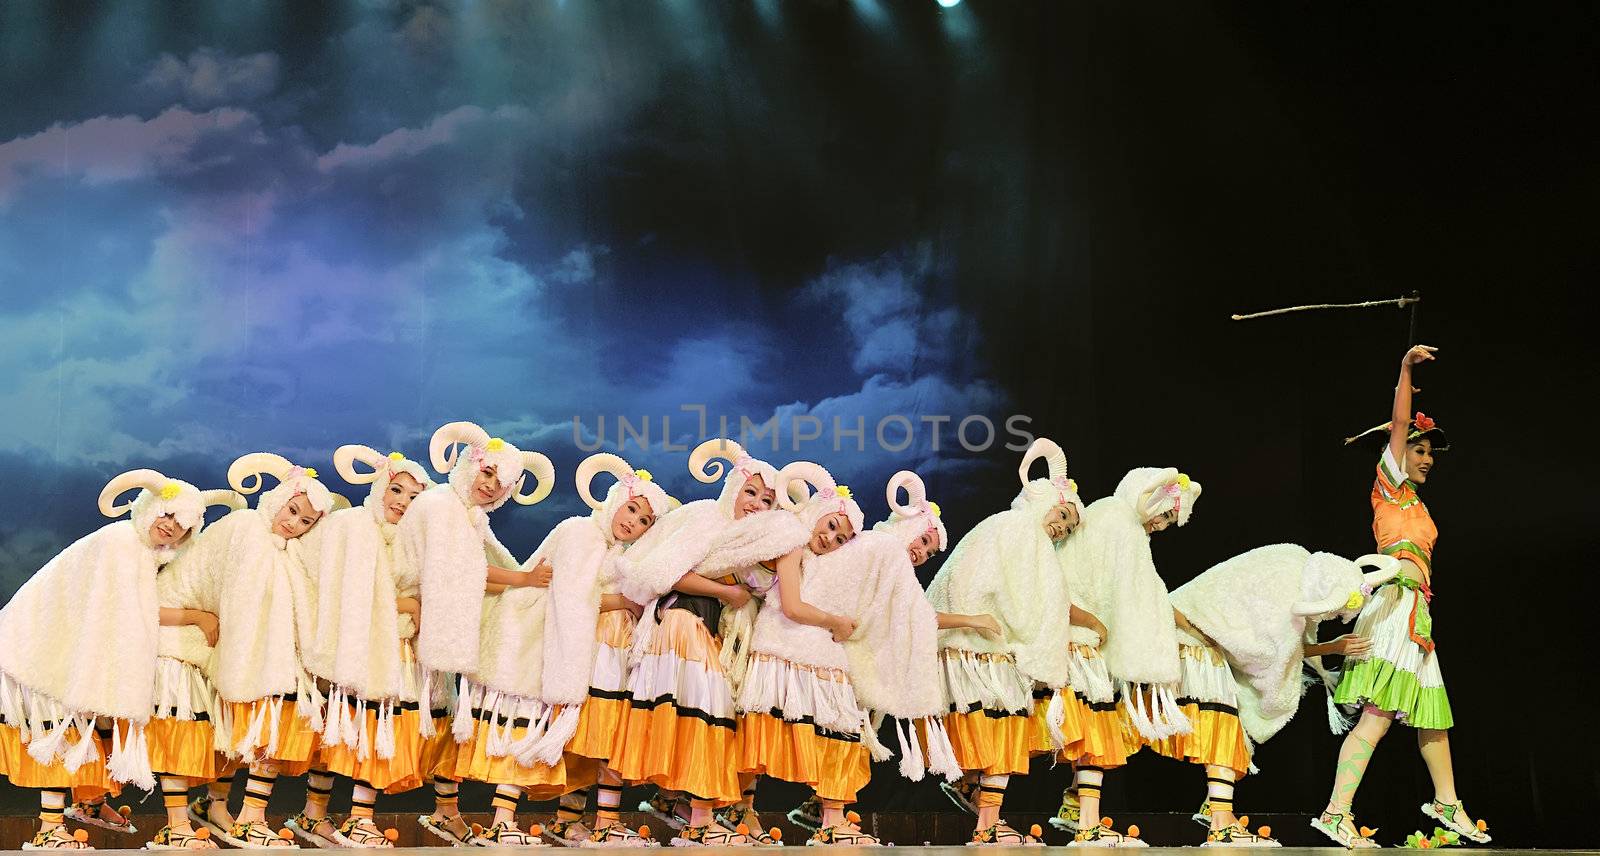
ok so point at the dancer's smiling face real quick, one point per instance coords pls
(754, 497)
(397, 498)
(633, 519)
(1161, 521)
(831, 532)
(922, 548)
(1061, 521)
(295, 518)
(486, 486)
(167, 532)
(1419, 459)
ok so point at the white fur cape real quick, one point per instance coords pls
(448, 546)
(894, 654)
(1007, 567)
(1246, 605)
(1114, 577)
(355, 641)
(251, 579)
(699, 536)
(82, 631)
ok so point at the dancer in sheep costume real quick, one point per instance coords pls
(445, 543)
(248, 570)
(799, 719)
(1114, 578)
(540, 647)
(584, 555)
(1259, 614)
(75, 717)
(362, 648)
(679, 732)
(1400, 678)
(894, 654)
(1009, 567)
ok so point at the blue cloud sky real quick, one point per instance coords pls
(235, 252)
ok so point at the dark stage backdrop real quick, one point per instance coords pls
(238, 227)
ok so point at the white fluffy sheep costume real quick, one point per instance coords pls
(539, 644)
(799, 719)
(445, 543)
(256, 583)
(78, 641)
(1007, 567)
(1262, 608)
(1114, 577)
(359, 644)
(679, 728)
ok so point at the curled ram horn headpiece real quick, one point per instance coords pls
(442, 446)
(149, 480)
(917, 515)
(223, 496)
(1384, 569)
(244, 476)
(380, 469)
(1333, 584)
(1153, 491)
(630, 484)
(829, 498)
(158, 496)
(347, 456)
(1055, 489)
(544, 475)
(744, 467)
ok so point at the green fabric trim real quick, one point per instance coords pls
(1410, 548)
(1384, 685)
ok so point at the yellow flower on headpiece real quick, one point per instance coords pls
(1355, 601)
(1183, 481)
(842, 490)
(1072, 485)
(644, 475)
(934, 507)
(311, 472)
(495, 444)
(170, 491)
(396, 456)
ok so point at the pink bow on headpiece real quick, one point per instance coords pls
(295, 472)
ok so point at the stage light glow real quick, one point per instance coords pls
(948, 3)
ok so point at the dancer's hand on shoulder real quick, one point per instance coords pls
(541, 574)
(843, 628)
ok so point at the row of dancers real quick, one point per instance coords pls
(695, 647)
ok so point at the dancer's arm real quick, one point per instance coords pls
(1350, 645)
(1085, 618)
(172, 616)
(506, 578)
(408, 606)
(733, 596)
(797, 610)
(983, 625)
(614, 602)
(1400, 416)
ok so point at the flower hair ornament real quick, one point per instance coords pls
(483, 451)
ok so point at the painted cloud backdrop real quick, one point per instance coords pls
(251, 232)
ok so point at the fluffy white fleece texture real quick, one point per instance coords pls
(1246, 605)
(82, 630)
(448, 545)
(1007, 567)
